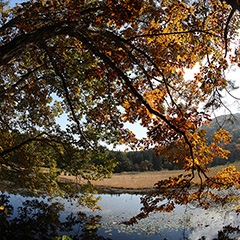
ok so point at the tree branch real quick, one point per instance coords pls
(22, 42)
(172, 33)
(29, 140)
(122, 75)
(226, 30)
(20, 80)
(64, 82)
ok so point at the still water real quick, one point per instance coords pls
(82, 223)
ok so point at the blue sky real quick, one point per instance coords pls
(13, 2)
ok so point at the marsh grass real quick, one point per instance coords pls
(139, 180)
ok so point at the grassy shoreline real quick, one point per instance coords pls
(138, 180)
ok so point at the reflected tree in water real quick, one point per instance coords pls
(225, 233)
(37, 219)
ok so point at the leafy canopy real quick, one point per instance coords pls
(103, 63)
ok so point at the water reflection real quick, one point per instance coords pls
(215, 222)
(37, 218)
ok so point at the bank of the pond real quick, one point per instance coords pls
(135, 180)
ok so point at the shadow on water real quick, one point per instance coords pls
(38, 218)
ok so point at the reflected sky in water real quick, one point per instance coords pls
(184, 223)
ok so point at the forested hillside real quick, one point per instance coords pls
(231, 124)
(147, 161)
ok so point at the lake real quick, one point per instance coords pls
(37, 218)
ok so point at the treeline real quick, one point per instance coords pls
(146, 161)
(140, 161)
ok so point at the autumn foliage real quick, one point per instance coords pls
(100, 64)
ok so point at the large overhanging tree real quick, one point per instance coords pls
(104, 63)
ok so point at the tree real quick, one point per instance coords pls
(104, 63)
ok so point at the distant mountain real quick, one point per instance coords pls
(231, 123)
